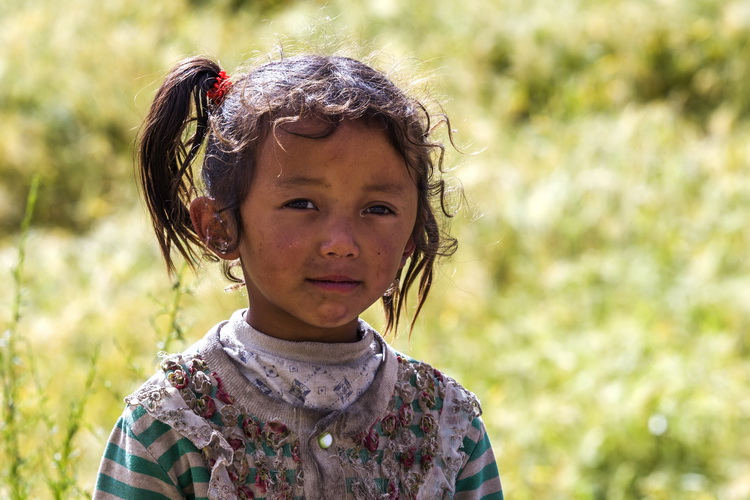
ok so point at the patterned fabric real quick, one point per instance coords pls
(199, 430)
(304, 380)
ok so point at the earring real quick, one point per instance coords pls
(218, 218)
(217, 244)
(220, 244)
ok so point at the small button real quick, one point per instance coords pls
(325, 440)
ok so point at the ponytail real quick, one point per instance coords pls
(190, 109)
(167, 151)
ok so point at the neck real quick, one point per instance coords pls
(305, 333)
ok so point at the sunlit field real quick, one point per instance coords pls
(599, 303)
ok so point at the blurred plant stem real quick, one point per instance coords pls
(9, 361)
(63, 457)
(174, 330)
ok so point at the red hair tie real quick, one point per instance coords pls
(219, 89)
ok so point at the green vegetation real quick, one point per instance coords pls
(598, 303)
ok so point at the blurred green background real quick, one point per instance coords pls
(599, 304)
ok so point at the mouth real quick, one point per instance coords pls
(335, 283)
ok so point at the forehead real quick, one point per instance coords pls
(349, 151)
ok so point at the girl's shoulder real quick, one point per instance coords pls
(419, 380)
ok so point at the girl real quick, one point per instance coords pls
(319, 186)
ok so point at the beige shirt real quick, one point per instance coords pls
(314, 375)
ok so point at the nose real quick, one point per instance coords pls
(338, 239)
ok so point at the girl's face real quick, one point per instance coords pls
(327, 223)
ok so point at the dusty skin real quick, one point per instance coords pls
(327, 223)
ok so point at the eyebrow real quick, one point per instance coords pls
(300, 181)
(377, 187)
(387, 188)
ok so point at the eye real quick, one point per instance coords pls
(300, 204)
(378, 210)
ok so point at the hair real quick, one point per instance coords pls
(183, 123)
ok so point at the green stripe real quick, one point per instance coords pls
(136, 464)
(169, 458)
(493, 496)
(137, 412)
(476, 449)
(478, 424)
(193, 476)
(474, 482)
(156, 430)
(119, 489)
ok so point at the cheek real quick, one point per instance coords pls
(266, 249)
(389, 255)
(276, 245)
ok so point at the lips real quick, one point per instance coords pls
(335, 283)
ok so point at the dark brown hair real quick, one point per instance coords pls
(326, 88)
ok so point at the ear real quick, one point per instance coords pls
(213, 228)
(411, 245)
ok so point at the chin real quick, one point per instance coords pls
(335, 320)
(334, 323)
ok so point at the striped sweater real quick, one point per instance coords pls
(198, 429)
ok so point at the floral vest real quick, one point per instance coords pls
(411, 448)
